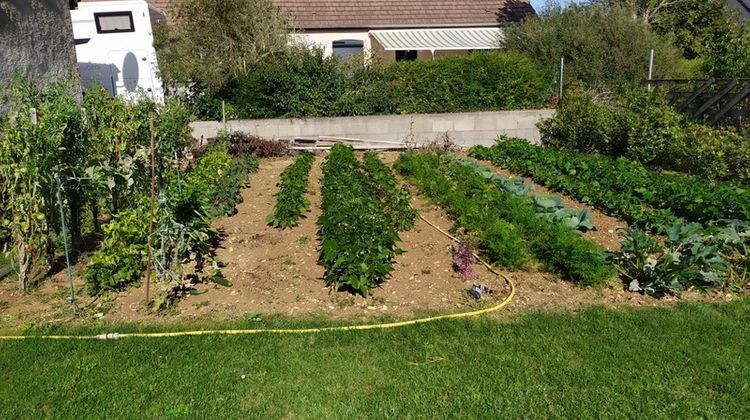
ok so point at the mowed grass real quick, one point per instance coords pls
(691, 360)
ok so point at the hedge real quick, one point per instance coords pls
(310, 85)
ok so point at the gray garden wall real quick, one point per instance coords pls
(36, 39)
(466, 128)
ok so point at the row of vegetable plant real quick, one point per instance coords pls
(89, 157)
(548, 207)
(387, 187)
(187, 203)
(624, 188)
(689, 254)
(504, 226)
(358, 241)
(291, 203)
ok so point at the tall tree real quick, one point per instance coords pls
(604, 46)
(707, 30)
(212, 41)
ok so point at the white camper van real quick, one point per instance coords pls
(114, 45)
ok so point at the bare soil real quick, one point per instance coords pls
(276, 272)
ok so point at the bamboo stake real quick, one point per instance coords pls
(151, 215)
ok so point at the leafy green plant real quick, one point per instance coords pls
(358, 241)
(395, 197)
(504, 225)
(646, 128)
(652, 201)
(547, 207)
(686, 259)
(291, 203)
(624, 188)
(121, 257)
(39, 140)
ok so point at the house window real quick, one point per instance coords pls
(346, 48)
(114, 22)
(406, 55)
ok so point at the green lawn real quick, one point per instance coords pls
(692, 360)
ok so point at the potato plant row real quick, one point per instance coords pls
(358, 241)
(291, 203)
(624, 188)
(504, 226)
(385, 185)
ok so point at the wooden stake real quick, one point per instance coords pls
(151, 214)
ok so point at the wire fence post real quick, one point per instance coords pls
(224, 114)
(650, 68)
(73, 305)
(562, 77)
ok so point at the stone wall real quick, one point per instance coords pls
(36, 40)
(467, 129)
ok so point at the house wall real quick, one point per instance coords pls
(325, 39)
(36, 39)
(467, 129)
(742, 6)
(372, 47)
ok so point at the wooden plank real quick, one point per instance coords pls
(356, 140)
(356, 147)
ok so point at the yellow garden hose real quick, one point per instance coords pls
(114, 336)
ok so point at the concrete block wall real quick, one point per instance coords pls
(467, 129)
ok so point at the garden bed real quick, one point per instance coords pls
(276, 271)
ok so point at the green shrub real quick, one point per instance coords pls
(584, 125)
(716, 153)
(122, 254)
(605, 46)
(655, 131)
(645, 128)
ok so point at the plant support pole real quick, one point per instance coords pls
(73, 305)
(151, 213)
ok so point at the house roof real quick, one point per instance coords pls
(333, 14)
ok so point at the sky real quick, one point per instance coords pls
(539, 4)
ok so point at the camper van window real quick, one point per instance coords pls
(114, 22)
